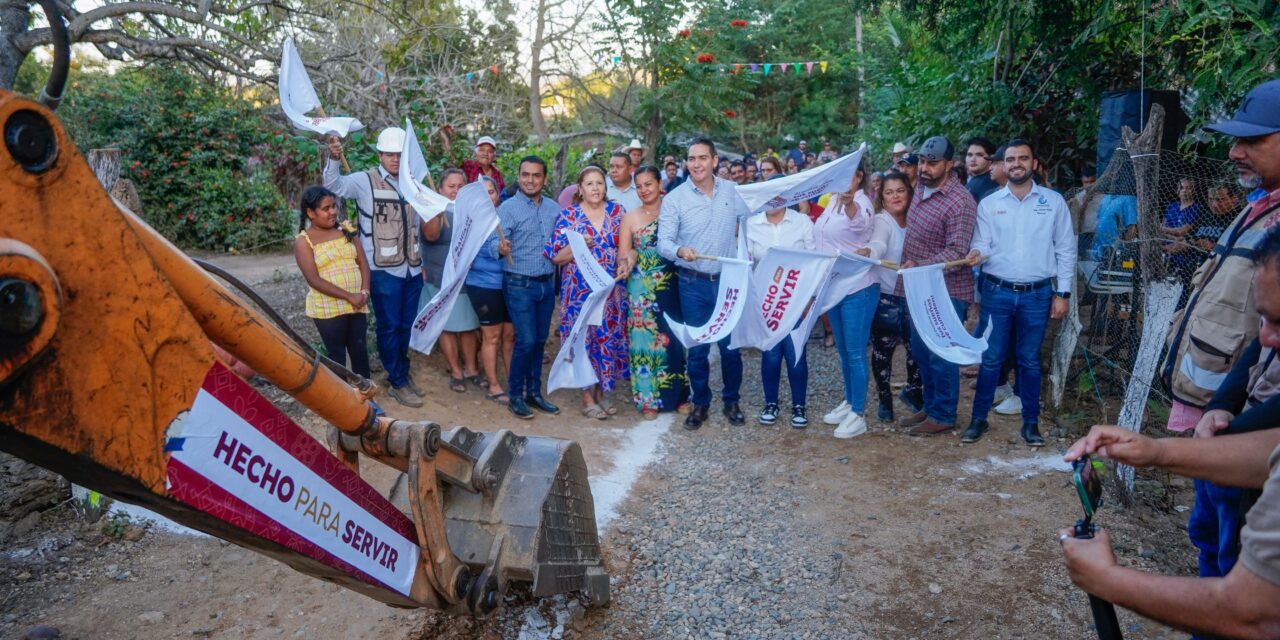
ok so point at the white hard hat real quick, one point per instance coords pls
(391, 140)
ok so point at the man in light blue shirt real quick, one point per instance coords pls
(1117, 220)
(622, 185)
(700, 218)
(527, 220)
(1027, 247)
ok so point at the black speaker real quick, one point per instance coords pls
(1130, 108)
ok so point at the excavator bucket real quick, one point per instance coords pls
(534, 519)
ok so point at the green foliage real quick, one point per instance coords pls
(195, 152)
(509, 163)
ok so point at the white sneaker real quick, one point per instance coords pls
(1012, 406)
(1003, 392)
(838, 414)
(852, 426)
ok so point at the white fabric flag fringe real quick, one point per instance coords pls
(833, 177)
(572, 367)
(731, 296)
(298, 96)
(784, 285)
(413, 165)
(474, 221)
(935, 319)
(845, 272)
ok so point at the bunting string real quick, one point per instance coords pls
(805, 67)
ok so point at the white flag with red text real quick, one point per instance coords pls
(783, 286)
(848, 270)
(298, 96)
(572, 368)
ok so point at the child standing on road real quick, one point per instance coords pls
(338, 273)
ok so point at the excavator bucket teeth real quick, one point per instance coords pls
(533, 519)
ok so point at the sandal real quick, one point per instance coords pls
(594, 411)
(500, 397)
(458, 384)
(607, 406)
(478, 380)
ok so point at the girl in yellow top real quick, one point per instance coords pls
(335, 267)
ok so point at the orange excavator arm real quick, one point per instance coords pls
(108, 376)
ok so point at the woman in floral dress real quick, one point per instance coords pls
(598, 220)
(658, 381)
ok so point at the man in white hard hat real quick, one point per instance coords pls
(636, 151)
(388, 234)
(482, 164)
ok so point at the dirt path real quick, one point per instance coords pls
(743, 532)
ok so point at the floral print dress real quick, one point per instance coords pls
(658, 381)
(606, 343)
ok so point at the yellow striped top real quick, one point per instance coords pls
(336, 262)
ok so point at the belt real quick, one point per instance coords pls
(698, 275)
(516, 277)
(1018, 287)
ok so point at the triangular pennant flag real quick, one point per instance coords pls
(470, 76)
(617, 59)
(736, 69)
(808, 67)
(767, 66)
(823, 64)
(753, 68)
(480, 73)
(797, 66)
(784, 67)
(494, 69)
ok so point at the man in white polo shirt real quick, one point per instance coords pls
(622, 184)
(1027, 247)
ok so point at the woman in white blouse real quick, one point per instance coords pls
(891, 326)
(790, 229)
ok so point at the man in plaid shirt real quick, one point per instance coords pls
(940, 226)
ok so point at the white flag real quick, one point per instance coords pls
(413, 165)
(572, 367)
(844, 274)
(935, 319)
(783, 286)
(735, 279)
(832, 177)
(474, 220)
(298, 96)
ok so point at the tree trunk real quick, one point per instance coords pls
(653, 130)
(862, 74)
(13, 23)
(535, 75)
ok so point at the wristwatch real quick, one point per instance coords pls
(1065, 295)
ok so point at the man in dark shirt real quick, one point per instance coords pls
(979, 154)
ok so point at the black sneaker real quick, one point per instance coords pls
(734, 413)
(770, 413)
(975, 431)
(798, 421)
(519, 409)
(885, 412)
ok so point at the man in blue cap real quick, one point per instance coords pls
(1221, 319)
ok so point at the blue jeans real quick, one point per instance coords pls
(797, 372)
(529, 303)
(697, 301)
(939, 377)
(851, 322)
(1214, 527)
(1026, 314)
(395, 307)
(1011, 360)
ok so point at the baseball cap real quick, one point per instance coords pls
(911, 159)
(937, 148)
(487, 140)
(899, 147)
(1259, 114)
(391, 140)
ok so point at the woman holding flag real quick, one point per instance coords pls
(847, 226)
(658, 381)
(458, 341)
(484, 289)
(892, 325)
(598, 220)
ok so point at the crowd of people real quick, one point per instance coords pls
(1006, 242)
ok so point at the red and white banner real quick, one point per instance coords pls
(474, 220)
(572, 367)
(298, 96)
(844, 274)
(783, 286)
(832, 177)
(935, 319)
(241, 460)
(413, 167)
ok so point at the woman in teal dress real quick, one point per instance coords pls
(658, 381)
